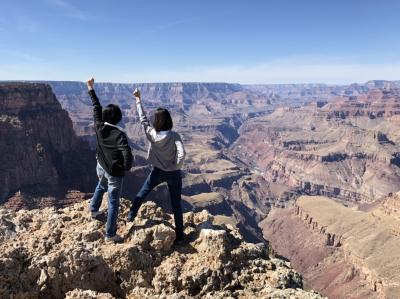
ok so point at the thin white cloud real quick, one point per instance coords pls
(71, 11)
(274, 72)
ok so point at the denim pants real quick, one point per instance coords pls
(112, 185)
(174, 182)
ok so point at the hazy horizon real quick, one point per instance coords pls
(197, 82)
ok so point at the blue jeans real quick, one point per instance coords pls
(112, 185)
(174, 181)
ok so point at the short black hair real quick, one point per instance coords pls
(112, 114)
(162, 120)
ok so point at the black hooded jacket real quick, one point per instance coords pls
(113, 151)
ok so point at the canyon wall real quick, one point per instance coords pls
(341, 251)
(347, 149)
(39, 151)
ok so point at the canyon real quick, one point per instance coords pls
(345, 150)
(304, 169)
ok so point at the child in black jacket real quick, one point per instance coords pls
(114, 157)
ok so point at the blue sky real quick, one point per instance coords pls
(239, 41)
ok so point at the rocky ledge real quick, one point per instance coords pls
(61, 253)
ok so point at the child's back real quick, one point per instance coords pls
(166, 150)
(113, 156)
(166, 155)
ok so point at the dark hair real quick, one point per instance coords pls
(162, 120)
(112, 114)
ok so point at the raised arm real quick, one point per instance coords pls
(97, 109)
(180, 151)
(148, 129)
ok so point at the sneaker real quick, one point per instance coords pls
(114, 239)
(95, 214)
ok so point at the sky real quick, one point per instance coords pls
(238, 41)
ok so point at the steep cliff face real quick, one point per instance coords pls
(376, 103)
(57, 254)
(39, 150)
(301, 94)
(339, 250)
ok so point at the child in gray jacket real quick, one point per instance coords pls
(166, 154)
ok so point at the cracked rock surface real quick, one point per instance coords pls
(52, 253)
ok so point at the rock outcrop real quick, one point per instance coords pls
(51, 253)
(39, 151)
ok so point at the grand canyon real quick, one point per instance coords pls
(289, 191)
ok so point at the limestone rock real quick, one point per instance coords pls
(87, 294)
(52, 253)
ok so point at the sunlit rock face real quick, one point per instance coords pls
(62, 253)
(341, 251)
(347, 148)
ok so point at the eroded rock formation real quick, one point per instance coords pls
(348, 149)
(56, 253)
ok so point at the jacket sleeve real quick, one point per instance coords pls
(125, 150)
(151, 133)
(97, 109)
(180, 151)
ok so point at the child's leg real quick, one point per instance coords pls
(152, 180)
(175, 190)
(101, 188)
(114, 193)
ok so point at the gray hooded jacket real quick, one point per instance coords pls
(166, 150)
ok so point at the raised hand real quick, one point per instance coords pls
(90, 83)
(136, 94)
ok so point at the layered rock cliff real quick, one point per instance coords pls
(340, 251)
(52, 253)
(346, 149)
(39, 151)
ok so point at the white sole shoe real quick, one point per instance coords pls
(115, 239)
(95, 214)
